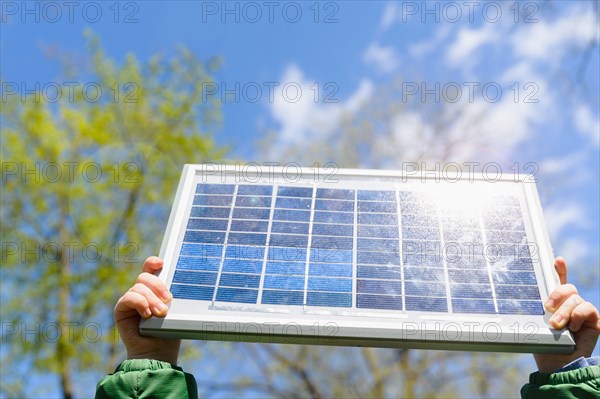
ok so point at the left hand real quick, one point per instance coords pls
(572, 311)
(147, 297)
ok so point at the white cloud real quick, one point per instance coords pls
(481, 130)
(511, 122)
(522, 72)
(427, 46)
(560, 215)
(409, 137)
(587, 124)
(309, 119)
(360, 96)
(385, 59)
(468, 41)
(561, 164)
(573, 250)
(390, 13)
(475, 131)
(547, 41)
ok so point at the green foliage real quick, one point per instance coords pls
(87, 182)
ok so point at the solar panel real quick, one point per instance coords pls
(364, 257)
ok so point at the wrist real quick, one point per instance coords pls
(163, 357)
(548, 366)
(169, 354)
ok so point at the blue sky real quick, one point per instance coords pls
(346, 51)
(349, 51)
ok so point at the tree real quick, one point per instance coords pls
(88, 174)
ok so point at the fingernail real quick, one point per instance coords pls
(558, 320)
(166, 294)
(160, 308)
(550, 305)
(147, 313)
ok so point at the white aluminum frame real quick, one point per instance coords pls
(191, 319)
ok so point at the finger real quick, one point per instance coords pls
(153, 264)
(560, 265)
(156, 285)
(563, 315)
(584, 313)
(132, 301)
(157, 306)
(559, 295)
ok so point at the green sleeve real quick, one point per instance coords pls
(577, 384)
(146, 378)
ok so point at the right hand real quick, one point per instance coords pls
(573, 312)
(147, 297)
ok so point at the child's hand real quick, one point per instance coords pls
(147, 297)
(574, 312)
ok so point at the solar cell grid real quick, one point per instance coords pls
(371, 249)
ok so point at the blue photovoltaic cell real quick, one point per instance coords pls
(424, 273)
(291, 215)
(275, 297)
(213, 237)
(332, 242)
(517, 292)
(379, 258)
(249, 225)
(250, 213)
(193, 249)
(379, 302)
(330, 269)
(298, 192)
(332, 230)
(374, 195)
(209, 212)
(381, 272)
(194, 277)
(426, 304)
(460, 305)
(251, 189)
(293, 203)
(284, 282)
(334, 217)
(290, 227)
(236, 295)
(254, 202)
(196, 263)
(215, 188)
(213, 200)
(207, 224)
(239, 280)
(242, 265)
(367, 249)
(328, 299)
(378, 219)
(466, 290)
(197, 292)
(335, 193)
(294, 268)
(329, 284)
(379, 287)
(244, 252)
(334, 205)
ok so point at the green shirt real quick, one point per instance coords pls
(577, 384)
(143, 378)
